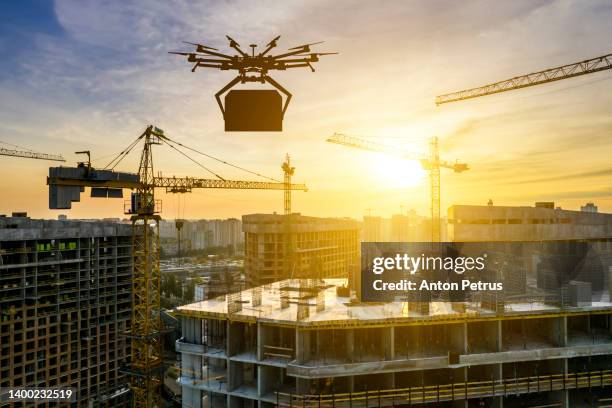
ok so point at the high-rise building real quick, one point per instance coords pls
(65, 303)
(279, 246)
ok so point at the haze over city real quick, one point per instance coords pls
(71, 80)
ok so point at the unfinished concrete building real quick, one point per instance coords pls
(308, 345)
(64, 303)
(283, 246)
(543, 222)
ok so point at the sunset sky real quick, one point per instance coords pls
(77, 75)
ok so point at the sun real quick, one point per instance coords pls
(395, 172)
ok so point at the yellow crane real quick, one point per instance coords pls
(28, 154)
(65, 185)
(431, 164)
(575, 69)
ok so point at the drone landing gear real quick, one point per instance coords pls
(257, 110)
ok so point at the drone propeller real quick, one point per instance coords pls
(233, 43)
(206, 47)
(306, 45)
(191, 57)
(317, 54)
(272, 43)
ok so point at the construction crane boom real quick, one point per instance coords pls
(171, 184)
(31, 155)
(536, 78)
(351, 141)
(431, 163)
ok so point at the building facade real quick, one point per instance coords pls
(279, 246)
(65, 302)
(342, 354)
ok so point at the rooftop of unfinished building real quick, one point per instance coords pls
(293, 217)
(589, 209)
(20, 226)
(340, 311)
(274, 223)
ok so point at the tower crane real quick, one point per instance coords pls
(431, 163)
(288, 172)
(65, 186)
(536, 78)
(29, 154)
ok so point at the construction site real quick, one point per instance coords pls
(288, 324)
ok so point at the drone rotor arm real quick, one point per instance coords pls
(290, 53)
(215, 54)
(234, 44)
(201, 45)
(307, 46)
(270, 45)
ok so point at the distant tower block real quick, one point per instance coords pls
(257, 110)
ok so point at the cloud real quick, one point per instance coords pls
(102, 74)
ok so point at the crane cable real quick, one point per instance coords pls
(123, 154)
(192, 159)
(222, 161)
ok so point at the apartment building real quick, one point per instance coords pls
(65, 300)
(280, 246)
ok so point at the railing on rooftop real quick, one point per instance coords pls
(448, 392)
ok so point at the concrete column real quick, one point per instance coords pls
(351, 383)
(228, 337)
(500, 343)
(387, 343)
(350, 345)
(560, 332)
(458, 338)
(302, 345)
(565, 394)
(260, 341)
(191, 365)
(235, 375)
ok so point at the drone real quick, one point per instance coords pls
(253, 109)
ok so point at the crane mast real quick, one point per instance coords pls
(434, 189)
(147, 328)
(288, 171)
(431, 164)
(536, 78)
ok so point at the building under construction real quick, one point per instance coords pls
(305, 343)
(65, 304)
(284, 246)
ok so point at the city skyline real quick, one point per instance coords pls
(79, 77)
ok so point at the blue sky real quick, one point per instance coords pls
(79, 74)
